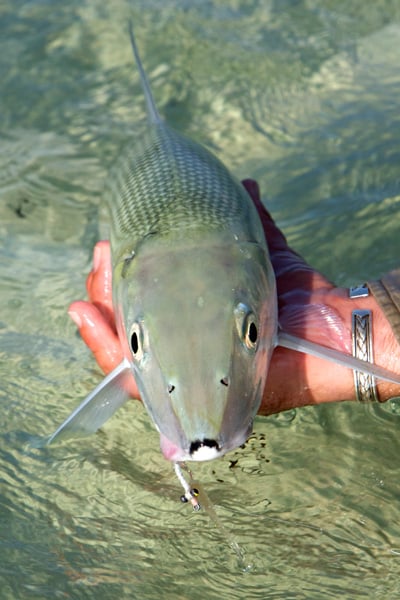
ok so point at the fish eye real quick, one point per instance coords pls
(247, 326)
(136, 341)
(251, 333)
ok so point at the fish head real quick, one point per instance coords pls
(199, 324)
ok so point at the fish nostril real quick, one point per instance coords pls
(171, 388)
(194, 446)
(225, 381)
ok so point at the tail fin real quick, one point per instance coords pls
(293, 343)
(151, 106)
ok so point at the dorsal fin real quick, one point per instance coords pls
(152, 111)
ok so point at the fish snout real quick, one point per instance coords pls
(200, 440)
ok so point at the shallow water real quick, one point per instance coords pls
(302, 95)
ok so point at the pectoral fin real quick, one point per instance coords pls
(346, 360)
(98, 406)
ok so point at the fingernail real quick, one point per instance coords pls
(76, 318)
(96, 257)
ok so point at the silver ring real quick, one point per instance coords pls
(359, 291)
(361, 327)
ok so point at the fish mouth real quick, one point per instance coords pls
(199, 450)
(205, 450)
(171, 451)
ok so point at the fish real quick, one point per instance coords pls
(194, 295)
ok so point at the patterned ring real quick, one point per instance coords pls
(362, 348)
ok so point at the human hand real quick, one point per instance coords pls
(95, 317)
(310, 308)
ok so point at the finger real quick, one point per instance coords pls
(99, 281)
(275, 238)
(291, 270)
(98, 334)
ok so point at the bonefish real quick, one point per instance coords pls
(194, 296)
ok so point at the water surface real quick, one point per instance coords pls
(302, 95)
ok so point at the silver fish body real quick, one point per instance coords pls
(194, 292)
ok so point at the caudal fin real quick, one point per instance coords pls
(345, 360)
(98, 406)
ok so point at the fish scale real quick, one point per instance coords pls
(168, 183)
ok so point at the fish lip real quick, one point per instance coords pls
(171, 451)
(174, 453)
